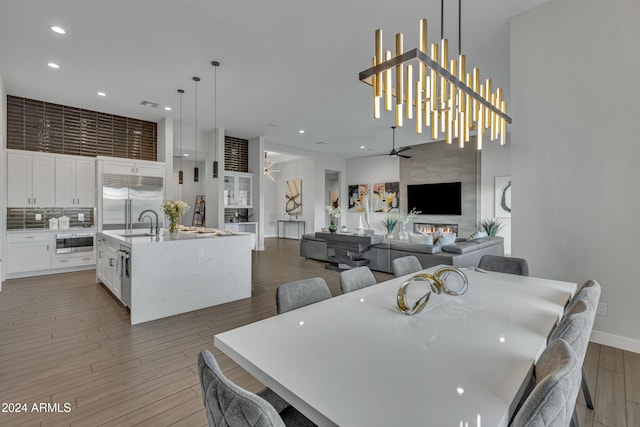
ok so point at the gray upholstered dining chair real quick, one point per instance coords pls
(227, 404)
(575, 329)
(585, 301)
(356, 278)
(300, 293)
(405, 265)
(553, 399)
(502, 264)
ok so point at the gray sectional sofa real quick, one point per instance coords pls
(463, 252)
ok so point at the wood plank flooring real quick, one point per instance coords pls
(64, 340)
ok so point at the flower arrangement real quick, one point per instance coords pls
(334, 212)
(174, 209)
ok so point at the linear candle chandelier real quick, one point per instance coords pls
(447, 98)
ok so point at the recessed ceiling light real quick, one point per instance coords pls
(102, 94)
(362, 147)
(53, 65)
(58, 30)
(185, 155)
(167, 108)
(301, 131)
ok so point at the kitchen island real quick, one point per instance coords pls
(161, 276)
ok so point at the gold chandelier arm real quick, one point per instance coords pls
(413, 54)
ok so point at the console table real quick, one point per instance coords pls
(348, 249)
(290, 221)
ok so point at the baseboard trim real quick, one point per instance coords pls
(617, 341)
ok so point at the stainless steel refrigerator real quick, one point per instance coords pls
(125, 196)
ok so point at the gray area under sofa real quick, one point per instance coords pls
(380, 256)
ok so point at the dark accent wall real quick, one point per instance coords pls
(52, 128)
(236, 154)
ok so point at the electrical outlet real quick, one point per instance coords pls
(199, 254)
(602, 309)
(38, 217)
(80, 217)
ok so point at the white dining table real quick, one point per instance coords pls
(356, 360)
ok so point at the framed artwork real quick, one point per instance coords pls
(293, 194)
(357, 197)
(333, 198)
(386, 196)
(502, 197)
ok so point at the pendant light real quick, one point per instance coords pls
(215, 64)
(195, 170)
(180, 173)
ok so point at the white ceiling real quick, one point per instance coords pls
(286, 64)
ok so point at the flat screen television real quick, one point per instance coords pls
(443, 198)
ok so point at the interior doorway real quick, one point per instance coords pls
(332, 193)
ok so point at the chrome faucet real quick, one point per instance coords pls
(144, 213)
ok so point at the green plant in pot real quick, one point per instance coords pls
(389, 223)
(492, 226)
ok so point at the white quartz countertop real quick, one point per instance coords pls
(137, 236)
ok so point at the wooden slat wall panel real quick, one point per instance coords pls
(134, 131)
(105, 135)
(120, 136)
(89, 133)
(41, 126)
(236, 154)
(15, 122)
(72, 131)
(34, 125)
(54, 125)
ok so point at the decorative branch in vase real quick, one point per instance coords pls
(404, 218)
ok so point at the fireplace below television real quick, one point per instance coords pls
(430, 227)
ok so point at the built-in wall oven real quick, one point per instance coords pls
(67, 243)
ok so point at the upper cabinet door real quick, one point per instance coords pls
(19, 185)
(65, 182)
(85, 183)
(43, 181)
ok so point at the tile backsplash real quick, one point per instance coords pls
(25, 218)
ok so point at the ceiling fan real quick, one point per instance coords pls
(394, 152)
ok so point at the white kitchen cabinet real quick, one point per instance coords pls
(30, 179)
(238, 190)
(107, 267)
(75, 182)
(29, 252)
(133, 167)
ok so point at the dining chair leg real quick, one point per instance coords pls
(574, 418)
(585, 390)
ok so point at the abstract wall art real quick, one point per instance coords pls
(293, 195)
(503, 197)
(386, 196)
(358, 197)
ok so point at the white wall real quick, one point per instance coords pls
(495, 161)
(369, 170)
(575, 151)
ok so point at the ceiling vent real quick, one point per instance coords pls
(149, 104)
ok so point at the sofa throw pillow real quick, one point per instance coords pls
(447, 239)
(421, 238)
(478, 234)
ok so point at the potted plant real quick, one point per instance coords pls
(389, 223)
(492, 226)
(334, 213)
